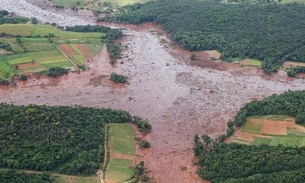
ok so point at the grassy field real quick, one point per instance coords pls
(271, 130)
(17, 29)
(75, 179)
(251, 62)
(121, 140)
(40, 52)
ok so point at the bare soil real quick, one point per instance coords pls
(274, 127)
(177, 98)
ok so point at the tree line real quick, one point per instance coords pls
(270, 32)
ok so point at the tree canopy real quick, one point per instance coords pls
(63, 139)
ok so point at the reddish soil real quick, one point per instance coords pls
(86, 52)
(66, 49)
(289, 64)
(274, 127)
(246, 136)
(28, 65)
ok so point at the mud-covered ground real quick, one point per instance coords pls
(179, 100)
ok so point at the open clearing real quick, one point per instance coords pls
(289, 64)
(121, 140)
(271, 130)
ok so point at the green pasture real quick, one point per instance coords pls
(119, 170)
(6, 71)
(36, 44)
(255, 63)
(295, 135)
(17, 29)
(121, 138)
(44, 54)
(18, 59)
(78, 59)
(75, 179)
(45, 30)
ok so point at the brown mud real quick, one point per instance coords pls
(178, 97)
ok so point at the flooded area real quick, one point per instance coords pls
(178, 97)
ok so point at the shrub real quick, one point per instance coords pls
(118, 78)
(144, 144)
(56, 71)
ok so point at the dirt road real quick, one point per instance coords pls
(178, 99)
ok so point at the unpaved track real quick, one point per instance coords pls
(179, 100)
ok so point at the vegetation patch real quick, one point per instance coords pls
(118, 78)
(121, 141)
(68, 140)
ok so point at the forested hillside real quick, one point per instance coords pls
(269, 32)
(68, 140)
(239, 163)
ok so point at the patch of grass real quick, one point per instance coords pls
(43, 30)
(18, 59)
(75, 179)
(121, 138)
(119, 170)
(43, 54)
(36, 44)
(17, 29)
(78, 59)
(63, 64)
(259, 140)
(239, 141)
(252, 126)
(6, 71)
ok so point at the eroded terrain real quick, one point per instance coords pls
(178, 99)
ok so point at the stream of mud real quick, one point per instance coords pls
(178, 99)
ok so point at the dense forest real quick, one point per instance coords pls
(12, 176)
(63, 139)
(238, 163)
(270, 32)
(289, 103)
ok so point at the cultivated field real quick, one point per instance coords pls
(41, 47)
(271, 130)
(121, 140)
(251, 62)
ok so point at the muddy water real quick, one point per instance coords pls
(179, 100)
